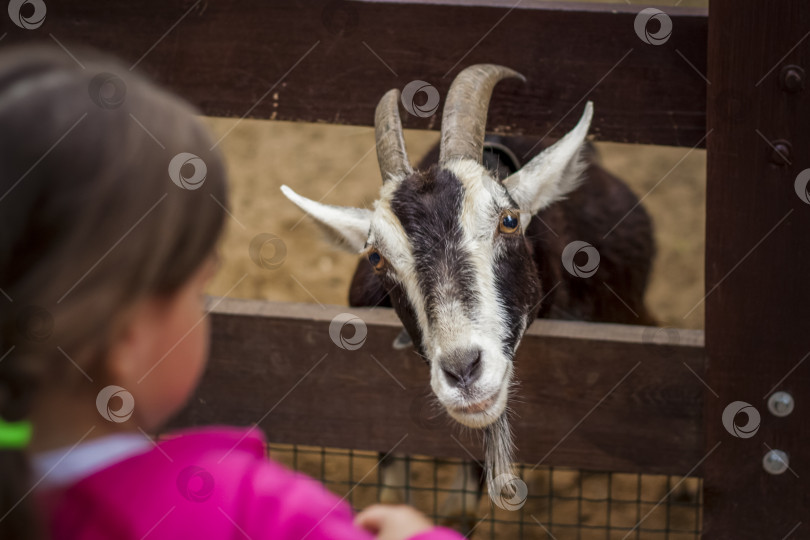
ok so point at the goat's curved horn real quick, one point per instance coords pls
(391, 153)
(465, 110)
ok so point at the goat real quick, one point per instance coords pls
(469, 254)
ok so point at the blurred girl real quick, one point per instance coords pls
(110, 208)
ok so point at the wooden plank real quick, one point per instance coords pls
(331, 61)
(757, 265)
(594, 396)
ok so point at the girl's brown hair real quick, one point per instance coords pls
(91, 220)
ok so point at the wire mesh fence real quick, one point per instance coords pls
(561, 504)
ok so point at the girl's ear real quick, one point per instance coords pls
(126, 346)
(131, 343)
(346, 227)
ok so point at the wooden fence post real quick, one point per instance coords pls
(757, 268)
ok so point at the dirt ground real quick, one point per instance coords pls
(337, 164)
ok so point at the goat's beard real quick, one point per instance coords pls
(499, 449)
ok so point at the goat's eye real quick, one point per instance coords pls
(510, 221)
(376, 259)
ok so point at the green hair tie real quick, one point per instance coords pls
(14, 434)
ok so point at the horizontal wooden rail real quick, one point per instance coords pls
(592, 396)
(331, 61)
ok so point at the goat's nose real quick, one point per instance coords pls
(462, 367)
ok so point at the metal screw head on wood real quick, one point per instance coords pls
(780, 404)
(775, 462)
(781, 154)
(791, 78)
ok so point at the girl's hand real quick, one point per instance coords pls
(389, 522)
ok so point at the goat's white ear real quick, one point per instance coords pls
(554, 172)
(346, 227)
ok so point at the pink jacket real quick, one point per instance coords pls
(202, 484)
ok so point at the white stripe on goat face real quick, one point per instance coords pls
(389, 237)
(437, 231)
